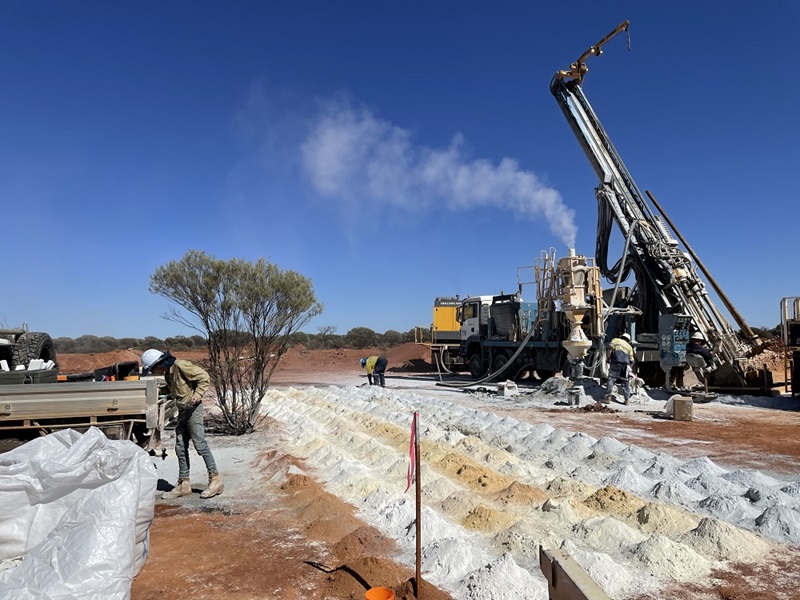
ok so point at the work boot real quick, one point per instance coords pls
(182, 488)
(214, 488)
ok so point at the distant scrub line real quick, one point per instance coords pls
(358, 337)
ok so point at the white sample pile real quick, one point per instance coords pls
(495, 488)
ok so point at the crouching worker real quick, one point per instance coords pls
(376, 368)
(187, 384)
(698, 357)
(620, 360)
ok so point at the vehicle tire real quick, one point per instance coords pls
(476, 366)
(32, 345)
(498, 363)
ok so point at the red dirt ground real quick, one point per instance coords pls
(278, 551)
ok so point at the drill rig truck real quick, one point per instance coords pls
(503, 336)
(670, 299)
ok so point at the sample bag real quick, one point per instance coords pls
(75, 518)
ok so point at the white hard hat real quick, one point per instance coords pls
(626, 336)
(697, 336)
(150, 359)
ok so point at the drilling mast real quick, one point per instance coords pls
(669, 292)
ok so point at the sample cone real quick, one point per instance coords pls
(379, 593)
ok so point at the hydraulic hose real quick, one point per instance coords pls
(622, 265)
(502, 369)
(440, 365)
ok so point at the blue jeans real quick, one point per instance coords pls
(190, 427)
(378, 377)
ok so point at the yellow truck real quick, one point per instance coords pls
(444, 335)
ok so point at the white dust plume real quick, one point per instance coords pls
(352, 156)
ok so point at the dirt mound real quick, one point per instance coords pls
(302, 490)
(473, 475)
(333, 527)
(270, 462)
(323, 506)
(773, 358)
(295, 483)
(522, 493)
(350, 581)
(615, 501)
(300, 357)
(405, 357)
(364, 541)
(87, 363)
(486, 519)
(409, 357)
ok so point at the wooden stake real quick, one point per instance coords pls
(419, 506)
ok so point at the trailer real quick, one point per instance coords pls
(125, 410)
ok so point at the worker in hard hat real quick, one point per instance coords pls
(696, 348)
(376, 367)
(620, 362)
(700, 358)
(187, 384)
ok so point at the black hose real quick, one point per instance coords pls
(502, 369)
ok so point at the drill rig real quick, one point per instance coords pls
(669, 299)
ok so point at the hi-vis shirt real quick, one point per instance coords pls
(371, 364)
(186, 379)
(621, 351)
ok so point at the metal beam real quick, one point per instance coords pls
(68, 400)
(566, 579)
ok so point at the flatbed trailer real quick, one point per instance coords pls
(128, 410)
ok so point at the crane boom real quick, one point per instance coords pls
(667, 281)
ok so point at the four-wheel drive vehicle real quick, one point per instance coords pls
(127, 410)
(113, 399)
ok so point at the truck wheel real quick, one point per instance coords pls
(32, 345)
(500, 361)
(475, 366)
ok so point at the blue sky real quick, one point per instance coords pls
(391, 152)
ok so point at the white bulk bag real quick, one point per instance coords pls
(77, 509)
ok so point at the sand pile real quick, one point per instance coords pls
(495, 488)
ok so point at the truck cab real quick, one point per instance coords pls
(473, 317)
(492, 329)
